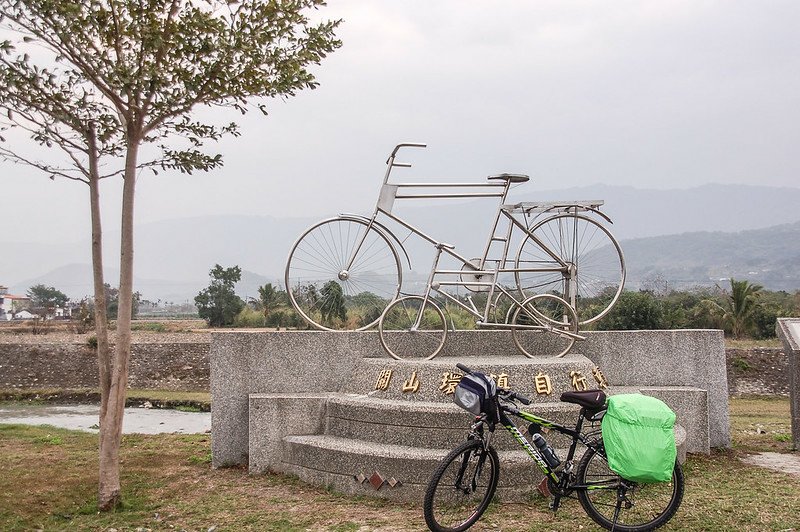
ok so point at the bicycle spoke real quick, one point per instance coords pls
(329, 294)
(592, 256)
(399, 336)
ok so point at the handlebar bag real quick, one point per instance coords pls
(477, 393)
(639, 438)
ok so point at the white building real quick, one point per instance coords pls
(9, 303)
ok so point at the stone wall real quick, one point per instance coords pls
(180, 362)
(50, 363)
(757, 371)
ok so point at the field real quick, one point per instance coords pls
(49, 483)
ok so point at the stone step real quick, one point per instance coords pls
(394, 472)
(425, 424)
(400, 472)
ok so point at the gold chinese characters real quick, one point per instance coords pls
(542, 383)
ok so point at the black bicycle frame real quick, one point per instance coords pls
(575, 434)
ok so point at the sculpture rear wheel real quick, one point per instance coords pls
(593, 271)
(327, 291)
(400, 335)
(552, 319)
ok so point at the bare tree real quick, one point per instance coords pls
(97, 79)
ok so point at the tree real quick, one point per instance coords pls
(742, 302)
(110, 76)
(332, 306)
(218, 304)
(44, 299)
(633, 311)
(112, 302)
(269, 298)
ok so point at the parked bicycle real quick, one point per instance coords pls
(568, 270)
(462, 486)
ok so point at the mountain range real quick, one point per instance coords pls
(687, 237)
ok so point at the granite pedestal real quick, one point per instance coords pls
(334, 410)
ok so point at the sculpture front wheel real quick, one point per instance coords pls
(413, 328)
(341, 274)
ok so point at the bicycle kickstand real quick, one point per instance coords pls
(555, 503)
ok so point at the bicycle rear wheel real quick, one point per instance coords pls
(574, 257)
(641, 506)
(400, 336)
(462, 487)
(550, 319)
(327, 293)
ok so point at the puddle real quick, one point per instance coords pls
(85, 417)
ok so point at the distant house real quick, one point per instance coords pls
(9, 304)
(62, 313)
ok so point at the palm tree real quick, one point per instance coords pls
(742, 301)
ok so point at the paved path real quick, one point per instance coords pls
(781, 462)
(85, 417)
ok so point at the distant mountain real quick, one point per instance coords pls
(173, 257)
(770, 257)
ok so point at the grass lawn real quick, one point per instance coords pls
(49, 482)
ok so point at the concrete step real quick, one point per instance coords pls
(394, 472)
(425, 424)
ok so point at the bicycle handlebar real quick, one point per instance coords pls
(464, 368)
(408, 145)
(404, 145)
(507, 393)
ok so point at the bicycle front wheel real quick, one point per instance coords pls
(462, 487)
(638, 506)
(545, 326)
(410, 329)
(574, 257)
(341, 274)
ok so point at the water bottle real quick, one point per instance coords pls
(548, 453)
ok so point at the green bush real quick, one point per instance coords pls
(634, 311)
(249, 317)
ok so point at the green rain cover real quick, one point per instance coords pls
(638, 437)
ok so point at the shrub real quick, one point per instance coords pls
(249, 317)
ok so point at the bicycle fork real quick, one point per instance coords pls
(429, 286)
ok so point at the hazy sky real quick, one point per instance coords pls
(665, 94)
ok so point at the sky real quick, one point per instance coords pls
(668, 94)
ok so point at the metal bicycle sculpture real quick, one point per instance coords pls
(345, 273)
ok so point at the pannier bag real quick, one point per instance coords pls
(638, 437)
(476, 393)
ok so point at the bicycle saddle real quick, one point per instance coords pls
(513, 178)
(591, 399)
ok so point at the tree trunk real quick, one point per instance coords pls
(100, 320)
(109, 494)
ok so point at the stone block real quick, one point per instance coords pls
(788, 330)
(273, 417)
(691, 407)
